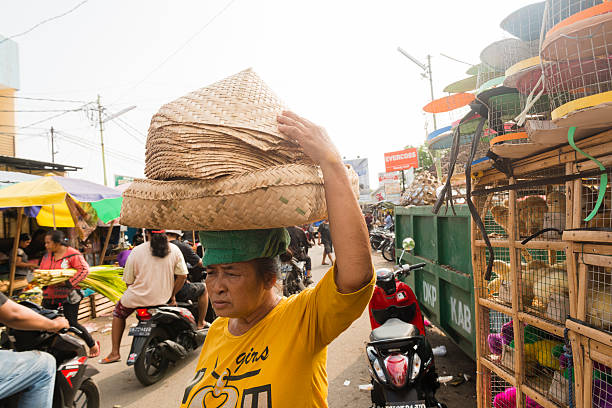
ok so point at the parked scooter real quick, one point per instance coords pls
(387, 246)
(163, 334)
(401, 361)
(74, 386)
(377, 237)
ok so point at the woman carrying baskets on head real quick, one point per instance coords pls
(67, 294)
(266, 350)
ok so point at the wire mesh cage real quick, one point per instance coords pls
(541, 208)
(576, 54)
(543, 353)
(560, 10)
(500, 394)
(598, 310)
(544, 285)
(495, 339)
(498, 288)
(598, 216)
(493, 210)
(601, 386)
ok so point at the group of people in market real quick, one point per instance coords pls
(244, 347)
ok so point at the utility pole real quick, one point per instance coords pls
(430, 75)
(52, 146)
(102, 140)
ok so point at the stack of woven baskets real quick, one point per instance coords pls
(216, 161)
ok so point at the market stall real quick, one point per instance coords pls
(56, 201)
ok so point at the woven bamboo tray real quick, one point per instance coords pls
(280, 196)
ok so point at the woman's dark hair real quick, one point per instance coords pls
(58, 237)
(159, 243)
(267, 269)
(25, 237)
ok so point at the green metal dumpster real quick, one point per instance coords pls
(444, 286)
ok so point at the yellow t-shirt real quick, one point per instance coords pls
(281, 361)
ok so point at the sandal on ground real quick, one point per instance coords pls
(106, 360)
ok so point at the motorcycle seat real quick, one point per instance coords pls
(394, 329)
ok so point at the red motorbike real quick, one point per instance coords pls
(401, 361)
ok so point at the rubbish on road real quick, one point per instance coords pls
(456, 381)
(347, 383)
(366, 387)
(445, 379)
(91, 327)
(467, 377)
(439, 351)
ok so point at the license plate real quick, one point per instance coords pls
(411, 404)
(140, 331)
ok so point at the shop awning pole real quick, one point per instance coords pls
(14, 251)
(106, 241)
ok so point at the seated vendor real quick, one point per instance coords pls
(24, 268)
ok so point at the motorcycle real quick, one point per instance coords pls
(387, 246)
(163, 334)
(74, 386)
(293, 276)
(401, 361)
(377, 237)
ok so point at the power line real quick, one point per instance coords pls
(38, 110)
(88, 145)
(45, 21)
(183, 45)
(131, 127)
(42, 99)
(129, 133)
(456, 60)
(48, 118)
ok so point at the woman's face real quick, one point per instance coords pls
(50, 245)
(24, 244)
(234, 289)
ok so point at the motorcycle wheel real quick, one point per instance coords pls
(87, 396)
(387, 252)
(210, 313)
(151, 364)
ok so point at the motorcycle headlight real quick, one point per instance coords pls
(379, 371)
(416, 366)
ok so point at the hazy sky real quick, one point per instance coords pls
(334, 62)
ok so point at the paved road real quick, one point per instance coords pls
(346, 361)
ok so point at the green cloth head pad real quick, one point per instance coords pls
(221, 247)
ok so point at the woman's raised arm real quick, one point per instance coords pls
(348, 229)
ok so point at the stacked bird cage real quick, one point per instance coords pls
(576, 52)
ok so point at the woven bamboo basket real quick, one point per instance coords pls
(280, 196)
(224, 129)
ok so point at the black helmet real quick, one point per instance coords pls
(385, 280)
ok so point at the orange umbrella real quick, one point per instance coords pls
(449, 103)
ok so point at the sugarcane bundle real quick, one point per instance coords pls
(104, 279)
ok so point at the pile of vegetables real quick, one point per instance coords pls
(104, 279)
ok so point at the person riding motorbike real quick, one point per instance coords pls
(194, 289)
(29, 372)
(299, 248)
(390, 292)
(154, 273)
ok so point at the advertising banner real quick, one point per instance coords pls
(119, 180)
(401, 160)
(361, 168)
(392, 185)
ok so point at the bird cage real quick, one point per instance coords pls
(576, 54)
(560, 10)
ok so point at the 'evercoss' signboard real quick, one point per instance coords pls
(401, 160)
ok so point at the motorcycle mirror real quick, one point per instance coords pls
(408, 244)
